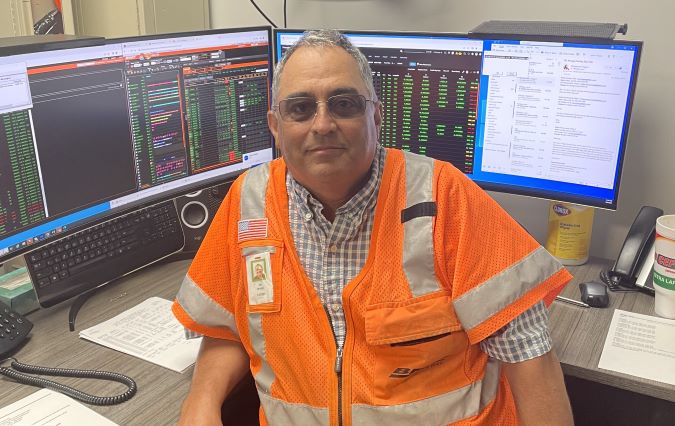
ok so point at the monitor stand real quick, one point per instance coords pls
(181, 255)
(82, 298)
(77, 305)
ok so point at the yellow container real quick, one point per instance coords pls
(569, 232)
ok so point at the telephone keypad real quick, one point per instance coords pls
(14, 328)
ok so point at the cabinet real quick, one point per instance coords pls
(123, 18)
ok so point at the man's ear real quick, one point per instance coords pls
(273, 124)
(377, 115)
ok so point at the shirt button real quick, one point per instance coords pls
(332, 248)
(308, 216)
(335, 307)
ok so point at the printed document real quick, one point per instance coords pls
(640, 345)
(48, 408)
(148, 331)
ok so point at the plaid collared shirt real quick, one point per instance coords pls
(332, 254)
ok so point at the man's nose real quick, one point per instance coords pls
(323, 122)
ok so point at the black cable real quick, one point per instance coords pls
(285, 20)
(17, 370)
(263, 14)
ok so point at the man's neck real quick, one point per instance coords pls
(332, 198)
(334, 193)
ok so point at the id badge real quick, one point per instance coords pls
(259, 279)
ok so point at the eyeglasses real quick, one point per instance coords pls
(304, 108)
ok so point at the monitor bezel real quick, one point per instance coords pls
(567, 197)
(45, 43)
(151, 199)
(521, 190)
(457, 35)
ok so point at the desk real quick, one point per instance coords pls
(578, 334)
(160, 391)
(604, 397)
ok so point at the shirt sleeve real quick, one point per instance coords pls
(493, 268)
(525, 337)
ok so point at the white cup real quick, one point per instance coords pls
(664, 267)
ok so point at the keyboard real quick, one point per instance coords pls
(109, 250)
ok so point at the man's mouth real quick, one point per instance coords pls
(325, 148)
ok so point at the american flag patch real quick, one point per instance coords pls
(252, 228)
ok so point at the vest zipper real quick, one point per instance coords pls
(337, 367)
(338, 371)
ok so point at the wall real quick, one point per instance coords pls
(123, 18)
(15, 18)
(649, 168)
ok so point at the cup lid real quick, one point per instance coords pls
(665, 226)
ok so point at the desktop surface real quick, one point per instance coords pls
(160, 390)
(579, 334)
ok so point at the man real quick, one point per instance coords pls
(401, 292)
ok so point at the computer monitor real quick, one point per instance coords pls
(88, 133)
(546, 118)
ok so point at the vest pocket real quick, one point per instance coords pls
(418, 347)
(262, 261)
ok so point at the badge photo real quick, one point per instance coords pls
(259, 279)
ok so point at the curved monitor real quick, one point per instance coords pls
(87, 133)
(546, 118)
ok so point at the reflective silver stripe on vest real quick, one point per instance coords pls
(450, 407)
(492, 296)
(265, 375)
(252, 206)
(418, 242)
(201, 308)
(253, 190)
(278, 412)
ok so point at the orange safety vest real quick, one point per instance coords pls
(447, 267)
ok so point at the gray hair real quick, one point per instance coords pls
(325, 38)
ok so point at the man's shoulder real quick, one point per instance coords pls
(262, 171)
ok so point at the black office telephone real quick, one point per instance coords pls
(14, 329)
(637, 254)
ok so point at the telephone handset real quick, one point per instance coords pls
(634, 258)
(14, 330)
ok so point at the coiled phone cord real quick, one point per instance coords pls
(18, 368)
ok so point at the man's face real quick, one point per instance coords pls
(324, 149)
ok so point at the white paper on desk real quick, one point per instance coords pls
(640, 345)
(48, 408)
(148, 331)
